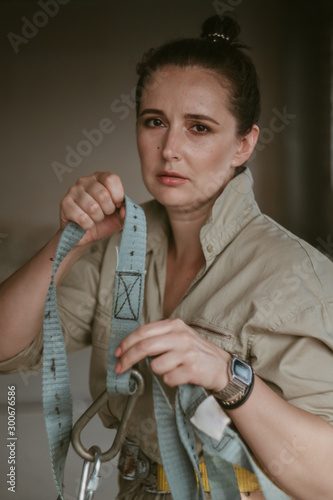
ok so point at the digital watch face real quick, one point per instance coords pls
(242, 371)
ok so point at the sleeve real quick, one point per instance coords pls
(296, 359)
(76, 297)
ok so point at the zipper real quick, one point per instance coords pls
(209, 329)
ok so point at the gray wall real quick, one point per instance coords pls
(69, 76)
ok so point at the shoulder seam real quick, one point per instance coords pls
(299, 242)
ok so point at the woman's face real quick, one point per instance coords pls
(187, 138)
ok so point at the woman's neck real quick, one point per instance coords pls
(185, 226)
(184, 260)
(184, 240)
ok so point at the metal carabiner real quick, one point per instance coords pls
(90, 480)
(91, 412)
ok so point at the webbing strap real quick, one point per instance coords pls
(220, 456)
(128, 293)
(128, 296)
(57, 399)
(178, 463)
(176, 435)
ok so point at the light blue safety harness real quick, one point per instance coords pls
(176, 434)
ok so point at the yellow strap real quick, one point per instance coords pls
(247, 481)
(162, 483)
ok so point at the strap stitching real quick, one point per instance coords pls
(128, 289)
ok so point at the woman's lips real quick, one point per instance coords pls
(170, 178)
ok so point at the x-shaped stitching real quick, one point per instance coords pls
(128, 288)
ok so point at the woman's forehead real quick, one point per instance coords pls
(191, 85)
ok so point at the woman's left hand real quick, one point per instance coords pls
(180, 354)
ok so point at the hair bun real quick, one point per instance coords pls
(220, 28)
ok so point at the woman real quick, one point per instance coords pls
(214, 264)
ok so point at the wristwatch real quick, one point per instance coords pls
(240, 386)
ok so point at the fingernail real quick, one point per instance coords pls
(117, 352)
(117, 368)
(119, 205)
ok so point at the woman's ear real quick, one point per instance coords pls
(246, 147)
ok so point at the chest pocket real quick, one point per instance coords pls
(219, 336)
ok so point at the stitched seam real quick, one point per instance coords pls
(298, 242)
(292, 315)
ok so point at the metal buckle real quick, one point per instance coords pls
(91, 412)
(133, 462)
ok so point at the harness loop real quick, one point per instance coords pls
(88, 455)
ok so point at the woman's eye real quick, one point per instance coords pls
(200, 128)
(154, 122)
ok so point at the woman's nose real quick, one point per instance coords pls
(172, 146)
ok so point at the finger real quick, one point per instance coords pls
(179, 376)
(151, 346)
(86, 203)
(156, 328)
(167, 362)
(106, 188)
(70, 210)
(102, 197)
(114, 186)
(199, 365)
(200, 368)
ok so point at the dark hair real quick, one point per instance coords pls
(217, 49)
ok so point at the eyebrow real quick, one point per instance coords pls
(188, 116)
(192, 116)
(152, 111)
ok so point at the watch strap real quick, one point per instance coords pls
(237, 402)
(236, 391)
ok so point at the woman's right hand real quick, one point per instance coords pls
(96, 203)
